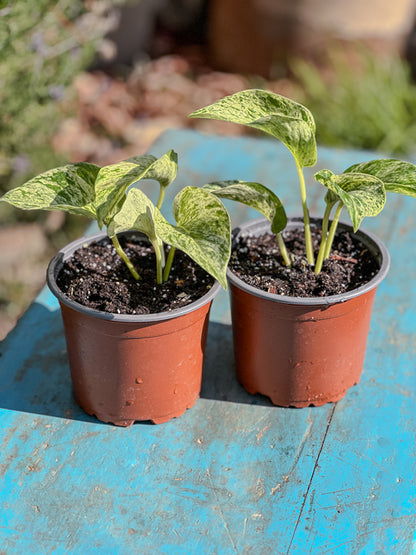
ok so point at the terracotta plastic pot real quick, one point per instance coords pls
(302, 351)
(133, 367)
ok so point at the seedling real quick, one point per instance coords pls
(361, 188)
(110, 196)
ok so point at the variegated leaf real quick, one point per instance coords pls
(397, 176)
(68, 188)
(203, 231)
(254, 195)
(114, 180)
(361, 194)
(137, 214)
(281, 117)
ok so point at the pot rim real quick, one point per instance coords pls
(366, 237)
(66, 252)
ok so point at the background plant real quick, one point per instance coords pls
(360, 100)
(43, 45)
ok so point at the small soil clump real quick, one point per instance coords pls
(257, 262)
(96, 277)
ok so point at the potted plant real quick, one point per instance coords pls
(135, 298)
(301, 315)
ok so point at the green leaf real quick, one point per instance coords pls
(114, 180)
(255, 196)
(68, 188)
(361, 194)
(284, 119)
(397, 176)
(137, 213)
(203, 231)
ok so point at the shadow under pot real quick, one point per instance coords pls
(302, 351)
(127, 368)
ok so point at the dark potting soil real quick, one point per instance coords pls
(96, 277)
(257, 262)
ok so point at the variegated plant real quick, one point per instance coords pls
(110, 196)
(361, 189)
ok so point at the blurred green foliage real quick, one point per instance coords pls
(43, 45)
(361, 100)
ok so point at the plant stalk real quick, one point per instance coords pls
(159, 259)
(308, 237)
(332, 230)
(325, 224)
(161, 197)
(125, 258)
(283, 250)
(168, 265)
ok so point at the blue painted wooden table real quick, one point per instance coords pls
(234, 474)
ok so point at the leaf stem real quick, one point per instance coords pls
(325, 224)
(332, 230)
(161, 197)
(159, 259)
(308, 238)
(283, 250)
(168, 265)
(125, 258)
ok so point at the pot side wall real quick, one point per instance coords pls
(302, 351)
(297, 355)
(122, 372)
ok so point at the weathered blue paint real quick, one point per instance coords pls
(234, 474)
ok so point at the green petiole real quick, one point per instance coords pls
(308, 237)
(332, 230)
(125, 258)
(161, 197)
(283, 250)
(324, 238)
(168, 264)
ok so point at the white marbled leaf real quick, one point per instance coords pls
(254, 195)
(68, 188)
(398, 176)
(361, 194)
(114, 180)
(281, 117)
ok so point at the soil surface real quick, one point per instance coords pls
(257, 261)
(96, 277)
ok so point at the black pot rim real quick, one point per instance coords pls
(369, 239)
(66, 252)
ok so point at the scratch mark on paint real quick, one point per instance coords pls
(349, 463)
(256, 425)
(297, 456)
(243, 537)
(301, 445)
(220, 511)
(275, 489)
(260, 489)
(330, 417)
(261, 433)
(336, 491)
(373, 462)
